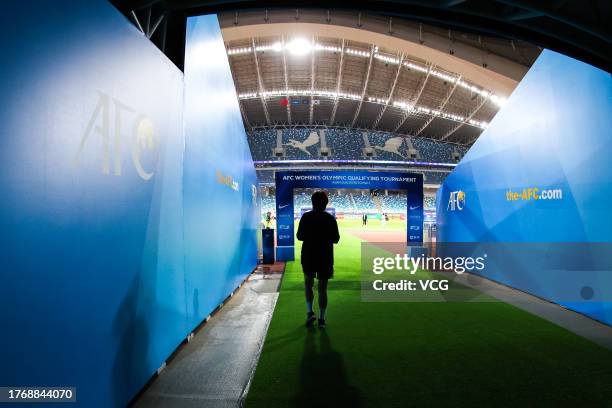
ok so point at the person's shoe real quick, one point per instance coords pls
(310, 319)
(321, 323)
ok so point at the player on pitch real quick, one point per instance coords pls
(319, 232)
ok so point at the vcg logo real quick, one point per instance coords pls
(140, 137)
(456, 201)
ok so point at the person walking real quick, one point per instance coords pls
(318, 230)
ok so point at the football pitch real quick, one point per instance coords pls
(418, 353)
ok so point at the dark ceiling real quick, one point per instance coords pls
(578, 28)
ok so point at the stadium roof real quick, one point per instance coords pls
(576, 28)
(440, 43)
(415, 82)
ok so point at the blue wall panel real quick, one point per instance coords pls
(94, 290)
(554, 133)
(221, 217)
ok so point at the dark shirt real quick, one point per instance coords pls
(319, 232)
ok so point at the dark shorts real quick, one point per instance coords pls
(318, 272)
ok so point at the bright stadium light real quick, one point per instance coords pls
(499, 101)
(403, 105)
(299, 46)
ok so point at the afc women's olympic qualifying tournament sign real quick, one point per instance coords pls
(287, 181)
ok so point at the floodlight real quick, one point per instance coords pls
(299, 46)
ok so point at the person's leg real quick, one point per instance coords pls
(322, 291)
(308, 284)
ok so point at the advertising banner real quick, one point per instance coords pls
(287, 181)
(540, 175)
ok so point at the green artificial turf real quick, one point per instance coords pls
(420, 354)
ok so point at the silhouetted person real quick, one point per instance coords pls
(364, 219)
(319, 232)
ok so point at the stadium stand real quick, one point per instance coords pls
(262, 142)
(346, 144)
(341, 202)
(393, 203)
(436, 152)
(301, 200)
(265, 176)
(434, 177)
(429, 203)
(300, 145)
(364, 202)
(388, 146)
(268, 203)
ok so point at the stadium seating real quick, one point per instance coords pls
(434, 177)
(268, 203)
(262, 142)
(429, 203)
(378, 141)
(364, 203)
(436, 152)
(301, 200)
(393, 203)
(341, 202)
(304, 152)
(344, 144)
(265, 176)
(348, 145)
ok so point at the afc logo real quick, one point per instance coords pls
(456, 201)
(113, 137)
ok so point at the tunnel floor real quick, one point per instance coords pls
(215, 367)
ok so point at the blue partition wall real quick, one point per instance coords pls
(108, 198)
(220, 191)
(553, 134)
